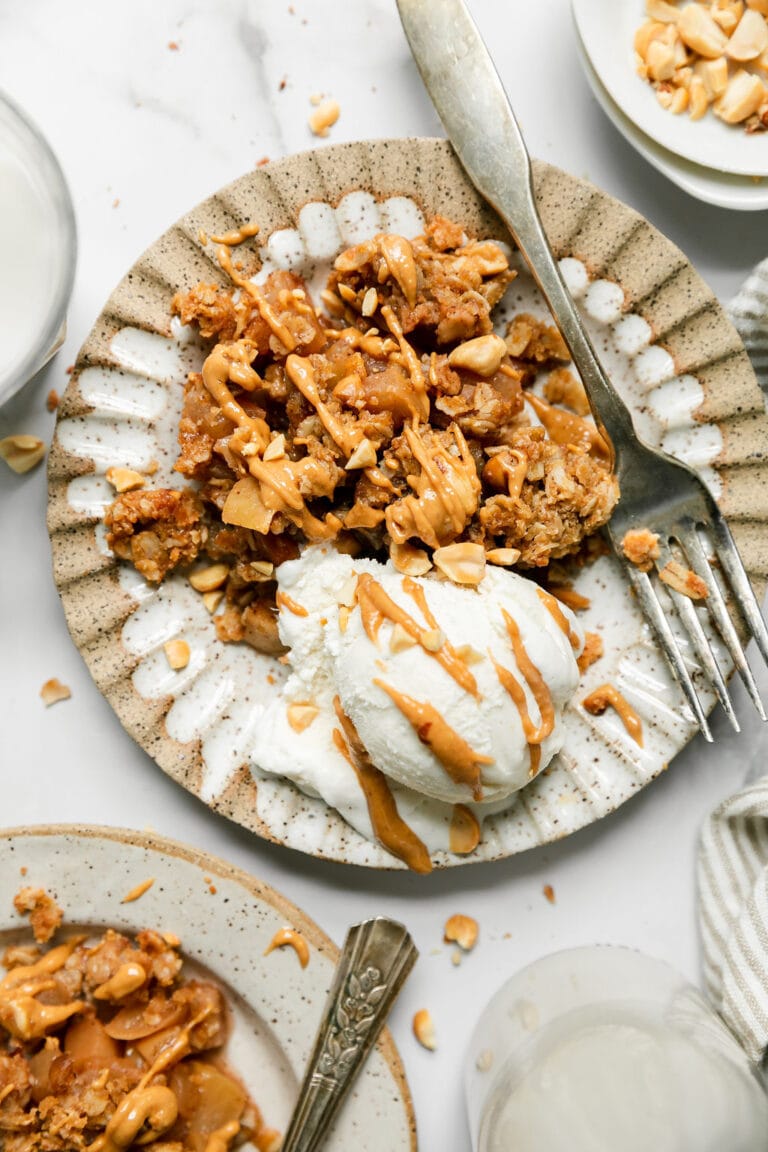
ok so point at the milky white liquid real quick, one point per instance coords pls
(611, 1081)
(30, 257)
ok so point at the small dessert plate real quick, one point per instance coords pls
(607, 31)
(723, 189)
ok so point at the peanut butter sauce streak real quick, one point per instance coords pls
(389, 828)
(606, 696)
(457, 757)
(559, 617)
(535, 734)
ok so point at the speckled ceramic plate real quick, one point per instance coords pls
(673, 354)
(225, 920)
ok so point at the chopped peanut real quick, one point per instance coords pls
(482, 355)
(461, 930)
(53, 691)
(124, 479)
(177, 654)
(461, 563)
(209, 579)
(324, 117)
(301, 715)
(409, 560)
(22, 452)
(424, 1029)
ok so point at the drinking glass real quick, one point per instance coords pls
(602, 1049)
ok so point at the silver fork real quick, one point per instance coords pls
(657, 492)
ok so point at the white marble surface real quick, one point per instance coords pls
(143, 132)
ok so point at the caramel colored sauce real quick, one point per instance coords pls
(236, 236)
(568, 595)
(299, 370)
(458, 758)
(376, 605)
(51, 962)
(280, 492)
(378, 347)
(420, 405)
(566, 428)
(557, 614)
(217, 372)
(606, 696)
(128, 978)
(290, 938)
(388, 826)
(464, 833)
(447, 492)
(398, 254)
(535, 734)
(285, 601)
(137, 892)
(263, 305)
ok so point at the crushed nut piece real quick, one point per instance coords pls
(209, 579)
(409, 560)
(21, 452)
(684, 580)
(177, 654)
(364, 456)
(461, 563)
(301, 715)
(399, 639)
(53, 691)
(504, 557)
(432, 639)
(461, 930)
(124, 479)
(324, 117)
(481, 355)
(275, 450)
(641, 548)
(424, 1029)
(370, 302)
(347, 594)
(213, 599)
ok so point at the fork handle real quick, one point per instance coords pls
(467, 92)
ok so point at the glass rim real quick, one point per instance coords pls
(40, 151)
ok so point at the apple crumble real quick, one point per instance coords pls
(104, 1046)
(394, 421)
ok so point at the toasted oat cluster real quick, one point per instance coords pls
(394, 421)
(103, 1046)
(707, 54)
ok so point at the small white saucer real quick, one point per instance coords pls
(607, 30)
(724, 189)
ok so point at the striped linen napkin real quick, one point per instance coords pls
(733, 913)
(733, 850)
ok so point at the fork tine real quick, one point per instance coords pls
(654, 613)
(689, 539)
(730, 560)
(698, 638)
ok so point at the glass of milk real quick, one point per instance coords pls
(604, 1050)
(37, 249)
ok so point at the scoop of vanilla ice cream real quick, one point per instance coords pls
(333, 655)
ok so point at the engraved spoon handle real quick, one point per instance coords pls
(374, 963)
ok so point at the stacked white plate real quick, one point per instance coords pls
(713, 161)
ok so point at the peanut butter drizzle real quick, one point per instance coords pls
(299, 370)
(376, 605)
(280, 492)
(290, 938)
(51, 962)
(606, 696)
(218, 371)
(459, 759)
(236, 236)
(377, 477)
(420, 406)
(447, 490)
(285, 601)
(566, 428)
(388, 826)
(266, 311)
(534, 734)
(559, 617)
(398, 255)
